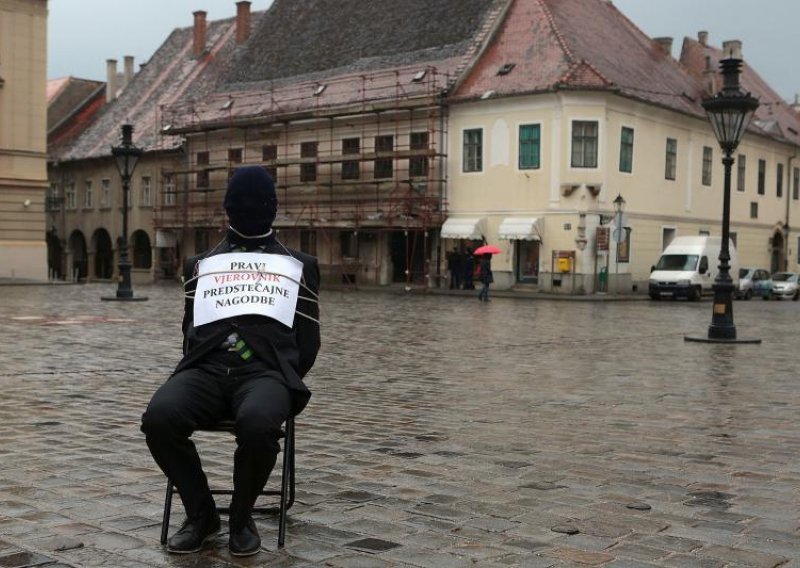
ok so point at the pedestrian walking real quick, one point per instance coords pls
(468, 266)
(485, 276)
(248, 368)
(455, 266)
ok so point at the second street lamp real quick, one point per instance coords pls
(619, 235)
(126, 156)
(729, 112)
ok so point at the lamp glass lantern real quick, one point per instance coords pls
(619, 204)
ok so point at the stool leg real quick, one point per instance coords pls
(287, 450)
(167, 511)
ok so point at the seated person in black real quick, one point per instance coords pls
(248, 368)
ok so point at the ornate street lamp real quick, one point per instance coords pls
(619, 235)
(729, 112)
(126, 156)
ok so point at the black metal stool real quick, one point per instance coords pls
(286, 492)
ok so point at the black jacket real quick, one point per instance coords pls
(290, 351)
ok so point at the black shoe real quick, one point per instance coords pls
(244, 540)
(193, 533)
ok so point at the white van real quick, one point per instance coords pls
(688, 267)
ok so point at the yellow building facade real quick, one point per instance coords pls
(671, 179)
(23, 120)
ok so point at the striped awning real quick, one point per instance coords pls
(463, 228)
(520, 229)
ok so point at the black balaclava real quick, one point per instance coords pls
(251, 202)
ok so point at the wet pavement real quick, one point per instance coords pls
(443, 432)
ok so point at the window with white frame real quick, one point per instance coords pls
(169, 190)
(708, 157)
(741, 172)
(70, 197)
(762, 177)
(88, 195)
(584, 143)
(671, 161)
(53, 203)
(779, 183)
(105, 193)
(796, 184)
(147, 189)
(473, 150)
(530, 136)
(626, 150)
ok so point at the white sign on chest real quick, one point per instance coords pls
(247, 283)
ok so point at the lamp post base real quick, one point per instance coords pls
(706, 339)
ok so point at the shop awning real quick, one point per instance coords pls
(463, 228)
(521, 229)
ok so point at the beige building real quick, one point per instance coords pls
(23, 128)
(86, 218)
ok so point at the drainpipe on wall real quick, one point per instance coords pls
(786, 225)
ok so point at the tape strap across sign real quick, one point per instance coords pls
(247, 283)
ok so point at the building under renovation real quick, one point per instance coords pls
(352, 126)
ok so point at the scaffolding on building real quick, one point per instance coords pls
(373, 164)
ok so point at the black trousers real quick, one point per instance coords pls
(221, 387)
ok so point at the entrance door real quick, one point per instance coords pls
(408, 252)
(777, 261)
(527, 261)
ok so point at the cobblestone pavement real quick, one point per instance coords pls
(443, 432)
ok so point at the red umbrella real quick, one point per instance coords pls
(486, 249)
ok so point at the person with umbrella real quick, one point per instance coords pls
(485, 270)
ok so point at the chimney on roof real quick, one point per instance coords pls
(702, 37)
(732, 49)
(199, 45)
(710, 77)
(665, 43)
(242, 21)
(111, 80)
(128, 71)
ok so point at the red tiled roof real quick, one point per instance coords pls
(774, 117)
(579, 44)
(173, 73)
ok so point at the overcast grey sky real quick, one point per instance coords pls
(84, 33)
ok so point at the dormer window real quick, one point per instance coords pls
(419, 76)
(506, 69)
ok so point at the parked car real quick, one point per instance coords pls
(748, 277)
(687, 268)
(785, 285)
(763, 288)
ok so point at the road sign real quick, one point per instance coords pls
(620, 235)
